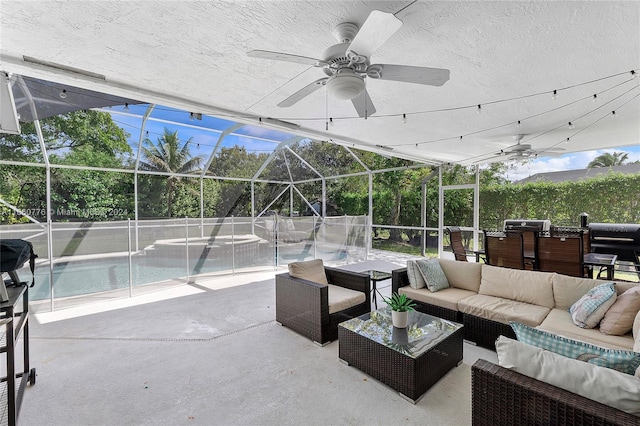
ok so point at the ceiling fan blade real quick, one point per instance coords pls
(364, 105)
(279, 56)
(409, 74)
(377, 29)
(305, 91)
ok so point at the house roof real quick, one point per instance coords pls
(580, 174)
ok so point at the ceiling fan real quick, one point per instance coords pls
(347, 63)
(523, 151)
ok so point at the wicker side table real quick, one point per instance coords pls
(408, 360)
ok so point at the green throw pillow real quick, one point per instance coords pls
(623, 361)
(433, 274)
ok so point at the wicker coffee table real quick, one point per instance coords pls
(409, 360)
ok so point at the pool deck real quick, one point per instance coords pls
(211, 353)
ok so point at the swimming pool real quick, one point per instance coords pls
(85, 277)
(82, 277)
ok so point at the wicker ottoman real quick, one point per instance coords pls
(408, 360)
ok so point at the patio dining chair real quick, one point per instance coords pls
(560, 253)
(504, 249)
(455, 236)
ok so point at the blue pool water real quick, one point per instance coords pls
(94, 276)
(80, 277)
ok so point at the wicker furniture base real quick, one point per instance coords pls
(484, 332)
(411, 377)
(303, 306)
(504, 397)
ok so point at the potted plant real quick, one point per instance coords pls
(400, 306)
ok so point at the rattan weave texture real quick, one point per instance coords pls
(503, 397)
(303, 306)
(412, 377)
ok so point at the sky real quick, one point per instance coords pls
(572, 161)
(204, 141)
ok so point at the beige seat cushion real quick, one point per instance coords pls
(503, 310)
(341, 298)
(311, 270)
(518, 285)
(464, 275)
(559, 322)
(445, 298)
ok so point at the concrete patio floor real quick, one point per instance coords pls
(211, 353)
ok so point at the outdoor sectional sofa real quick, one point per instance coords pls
(486, 298)
(502, 396)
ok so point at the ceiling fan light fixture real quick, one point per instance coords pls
(345, 85)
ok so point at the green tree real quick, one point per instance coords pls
(608, 160)
(234, 197)
(169, 155)
(80, 138)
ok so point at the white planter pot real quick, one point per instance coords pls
(399, 319)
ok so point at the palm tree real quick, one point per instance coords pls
(608, 160)
(169, 155)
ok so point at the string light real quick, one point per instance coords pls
(331, 122)
(191, 117)
(63, 94)
(519, 124)
(126, 107)
(567, 141)
(554, 95)
(613, 114)
(595, 97)
(571, 125)
(633, 74)
(404, 118)
(479, 109)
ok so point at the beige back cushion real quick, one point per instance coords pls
(618, 319)
(567, 290)
(311, 270)
(516, 284)
(464, 275)
(636, 334)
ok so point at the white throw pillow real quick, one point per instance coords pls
(415, 277)
(591, 308)
(604, 385)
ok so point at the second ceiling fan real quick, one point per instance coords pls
(347, 63)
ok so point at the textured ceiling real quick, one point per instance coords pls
(193, 55)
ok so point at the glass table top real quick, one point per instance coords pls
(377, 275)
(422, 333)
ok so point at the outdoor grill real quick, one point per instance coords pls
(622, 239)
(527, 225)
